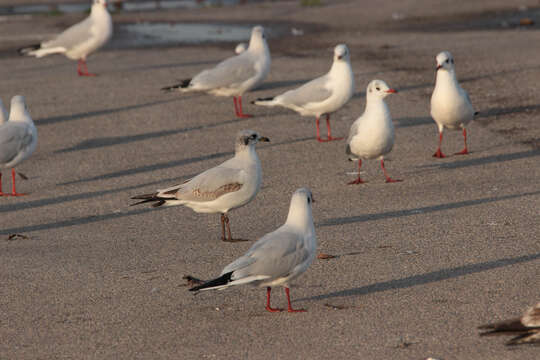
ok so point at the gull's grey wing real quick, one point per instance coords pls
(311, 92)
(276, 255)
(72, 36)
(209, 185)
(13, 138)
(232, 71)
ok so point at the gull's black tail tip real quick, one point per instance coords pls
(25, 50)
(182, 85)
(145, 198)
(262, 99)
(222, 280)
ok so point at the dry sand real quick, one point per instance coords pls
(420, 263)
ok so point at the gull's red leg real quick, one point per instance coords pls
(438, 153)
(268, 307)
(223, 227)
(358, 180)
(13, 191)
(289, 308)
(388, 178)
(318, 130)
(330, 138)
(465, 151)
(235, 106)
(85, 72)
(240, 112)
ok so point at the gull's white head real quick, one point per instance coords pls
(248, 138)
(18, 110)
(445, 61)
(300, 209)
(257, 37)
(240, 48)
(341, 53)
(100, 2)
(378, 89)
(3, 113)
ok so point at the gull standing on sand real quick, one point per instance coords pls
(372, 134)
(527, 327)
(233, 76)
(276, 258)
(18, 140)
(227, 186)
(451, 106)
(323, 95)
(79, 40)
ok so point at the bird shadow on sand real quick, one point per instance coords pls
(73, 117)
(169, 164)
(119, 140)
(483, 160)
(427, 278)
(77, 221)
(419, 210)
(87, 195)
(166, 66)
(497, 111)
(413, 121)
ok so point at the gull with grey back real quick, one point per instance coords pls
(18, 140)
(235, 75)
(79, 40)
(526, 329)
(278, 257)
(451, 107)
(372, 134)
(323, 95)
(220, 189)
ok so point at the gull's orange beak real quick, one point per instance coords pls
(391, 91)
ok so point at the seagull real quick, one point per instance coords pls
(79, 40)
(323, 95)
(18, 140)
(451, 106)
(276, 258)
(233, 76)
(527, 327)
(227, 186)
(372, 134)
(240, 48)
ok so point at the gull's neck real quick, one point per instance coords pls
(98, 10)
(340, 67)
(245, 152)
(300, 215)
(258, 46)
(446, 78)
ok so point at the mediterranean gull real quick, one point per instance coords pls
(527, 327)
(233, 76)
(79, 40)
(18, 140)
(323, 95)
(451, 106)
(372, 134)
(220, 189)
(276, 258)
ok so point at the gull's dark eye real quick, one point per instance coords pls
(309, 200)
(378, 89)
(446, 61)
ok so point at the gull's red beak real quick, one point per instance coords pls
(439, 67)
(391, 91)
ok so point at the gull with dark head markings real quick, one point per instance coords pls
(18, 140)
(323, 95)
(451, 106)
(372, 134)
(79, 40)
(233, 76)
(220, 189)
(526, 328)
(278, 257)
